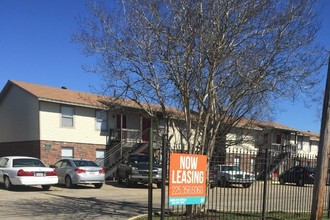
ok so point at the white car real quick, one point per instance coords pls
(225, 175)
(27, 171)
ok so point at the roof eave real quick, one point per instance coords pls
(72, 103)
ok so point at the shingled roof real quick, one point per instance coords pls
(58, 95)
(67, 96)
(275, 125)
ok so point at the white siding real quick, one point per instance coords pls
(19, 116)
(308, 146)
(314, 147)
(83, 130)
(246, 139)
(176, 140)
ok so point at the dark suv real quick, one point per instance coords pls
(299, 175)
(136, 170)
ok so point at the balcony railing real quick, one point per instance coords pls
(130, 135)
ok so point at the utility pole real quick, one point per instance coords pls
(322, 157)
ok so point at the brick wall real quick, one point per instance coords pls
(51, 150)
(48, 151)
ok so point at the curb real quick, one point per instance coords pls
(137, 217)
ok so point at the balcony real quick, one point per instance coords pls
(129, 135)
(133, 135)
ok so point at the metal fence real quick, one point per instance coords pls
(282, 188)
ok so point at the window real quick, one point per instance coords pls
(59, 164)
(67, 152)
(101, 120)
(252, 165)
(278, 139)
(100, 157)
(27, 163)
(300, 142)
(84, 163)
(3, 162)
(121, 121)
(67, 116)
(236, 161)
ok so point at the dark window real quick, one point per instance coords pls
(84, 163)
(120, 119)
(27, 163)
(278, 139)
(138, 159)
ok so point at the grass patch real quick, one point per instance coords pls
(236, 216)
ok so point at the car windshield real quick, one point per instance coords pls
(84, 163)
(27, 163)
(138, 159)
(311, 170)
(231, 168)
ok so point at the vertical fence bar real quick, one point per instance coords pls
(266, 197)
(264, 205)
(151, 154)
(164, 172)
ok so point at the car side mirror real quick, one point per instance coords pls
(52, 166)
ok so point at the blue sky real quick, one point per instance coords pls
(36, 47)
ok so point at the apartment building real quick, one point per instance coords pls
(52, 123)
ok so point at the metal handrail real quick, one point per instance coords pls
(108, 154)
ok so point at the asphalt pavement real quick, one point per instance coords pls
(112, 201)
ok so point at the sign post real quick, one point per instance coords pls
(187, 180)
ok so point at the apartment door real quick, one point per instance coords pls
(146, 124)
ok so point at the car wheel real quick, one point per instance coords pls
(45, 187)
(119, 180)
(8, 185)
(223, 182)
(98, 185)
(247, 185)
(213, 184)
(68, 182)
(159, 184)
(128, 181)
(281, 181)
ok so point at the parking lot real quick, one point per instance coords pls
(112, 201)
(115, 201)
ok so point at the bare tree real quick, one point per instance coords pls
(217, 61)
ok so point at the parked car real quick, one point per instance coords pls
(27, 171)
(79, 171)
(136, 170)
(300, 175)
(225, 175)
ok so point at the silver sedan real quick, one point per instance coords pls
(79, 171)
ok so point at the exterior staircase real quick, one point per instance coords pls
(273, 164)
(116, 154)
